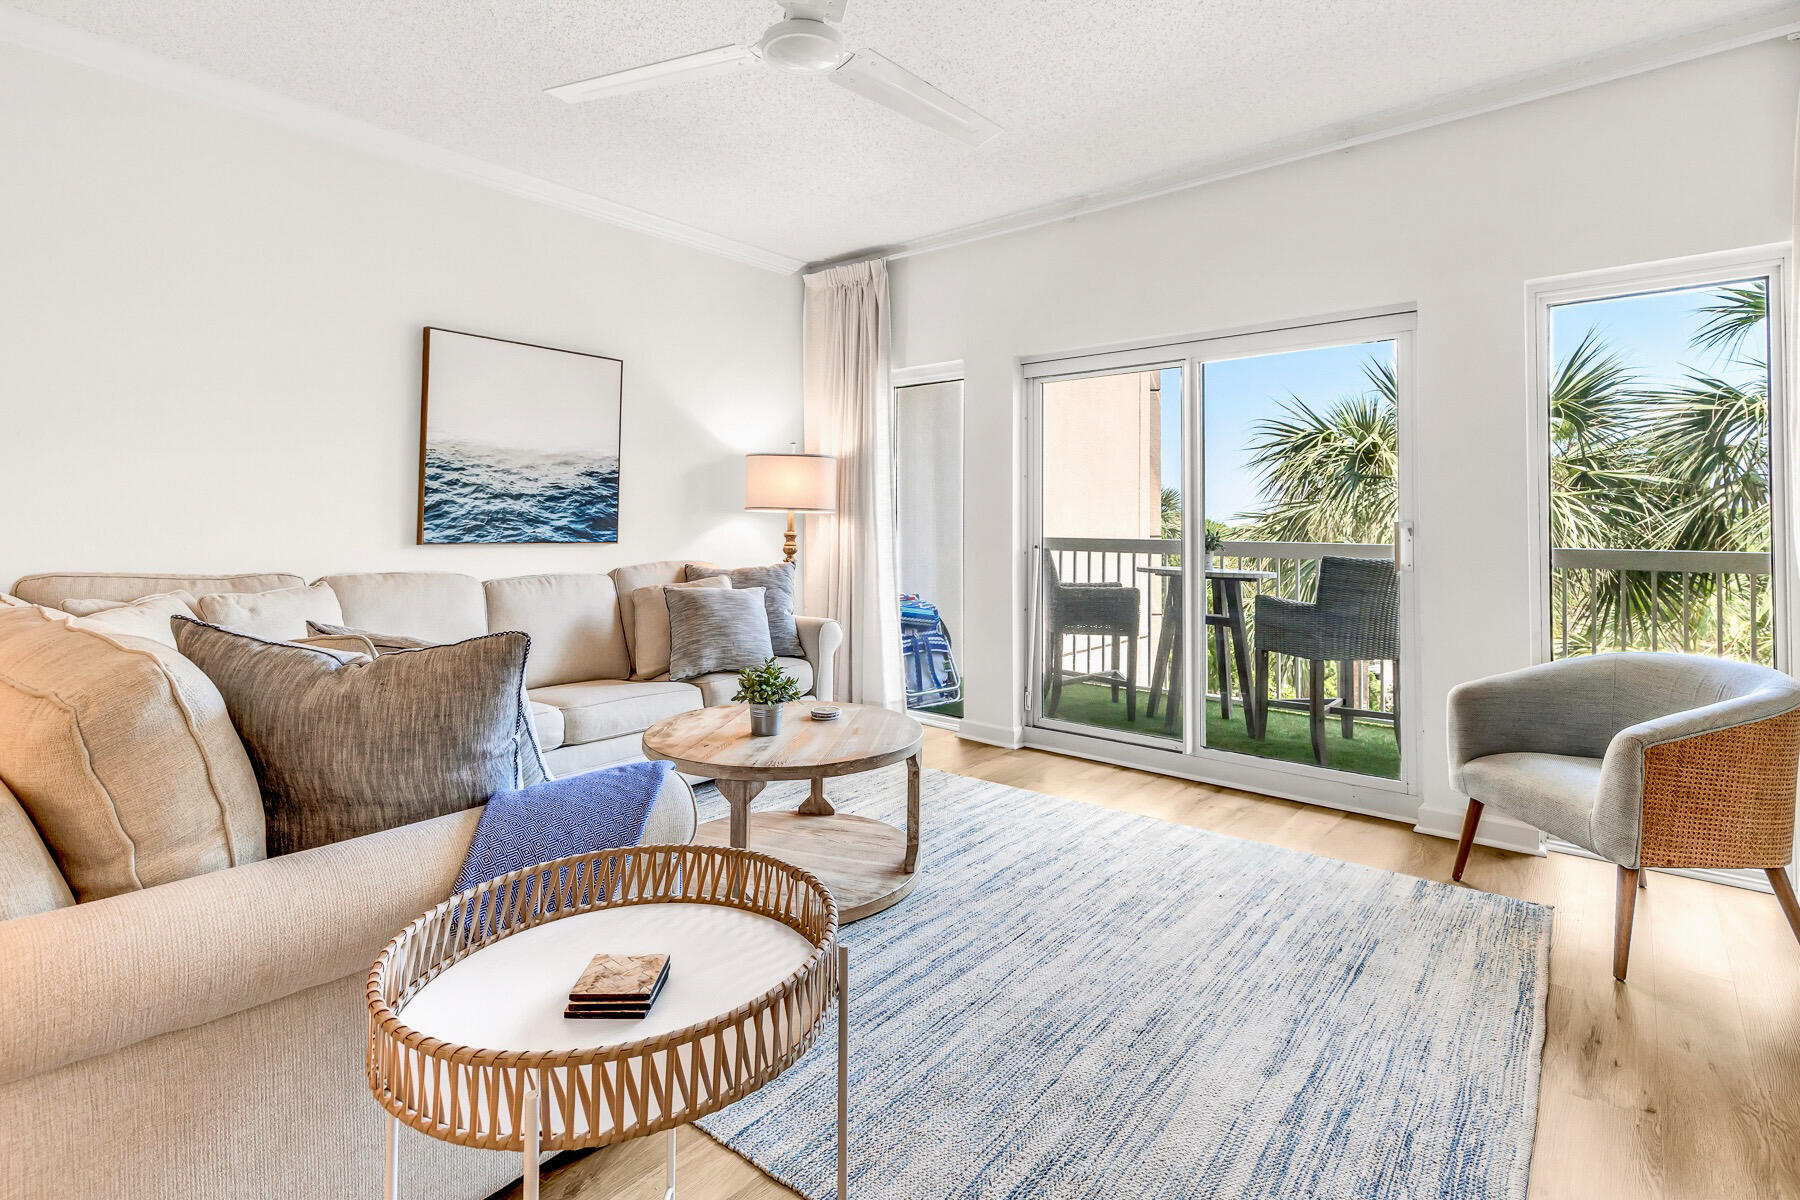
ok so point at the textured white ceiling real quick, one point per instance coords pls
(1092, 96)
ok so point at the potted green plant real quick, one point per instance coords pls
(1215, 538)
(765, 689)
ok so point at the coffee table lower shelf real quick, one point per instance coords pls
(859, 859)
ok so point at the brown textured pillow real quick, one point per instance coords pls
(344, 749)
(123, 754)
(393, 643)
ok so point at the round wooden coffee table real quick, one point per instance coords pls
(869, 865)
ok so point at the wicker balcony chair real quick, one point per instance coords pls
(1647, 760)
(1108, 610)
(1354, 618)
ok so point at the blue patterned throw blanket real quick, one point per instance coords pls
(1080, 1004)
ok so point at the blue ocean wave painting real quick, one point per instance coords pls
(475, 492)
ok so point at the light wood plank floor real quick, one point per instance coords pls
(1682, 1084)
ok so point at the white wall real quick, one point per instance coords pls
(209, 344)
(1455, 219)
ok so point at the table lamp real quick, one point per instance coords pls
(795, 483)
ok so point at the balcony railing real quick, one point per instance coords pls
(1687, 601)
(1293, 565)
(1691, 601)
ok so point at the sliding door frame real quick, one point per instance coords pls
(1190, 758)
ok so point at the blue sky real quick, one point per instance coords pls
(1652, 332)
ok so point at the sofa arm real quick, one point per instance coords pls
(100, 976)
(820, 638)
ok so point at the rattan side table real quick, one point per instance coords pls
(467, 1041)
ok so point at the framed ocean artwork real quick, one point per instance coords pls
(517, 443)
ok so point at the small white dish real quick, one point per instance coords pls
(826, 712)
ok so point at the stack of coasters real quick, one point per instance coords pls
(618, 987)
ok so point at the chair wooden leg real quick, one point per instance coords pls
(1627, 907)
(1113, 672)
(1315, 708)
(1471, 821)
(1055, 673)
(1784, 892)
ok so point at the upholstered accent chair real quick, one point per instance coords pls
(1099, 609)
(1647, 760)
(1354, 617)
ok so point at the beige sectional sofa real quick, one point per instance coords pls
(204, 1036)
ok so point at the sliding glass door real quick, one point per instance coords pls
(1219, 544)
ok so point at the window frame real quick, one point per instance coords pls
(1542, 295)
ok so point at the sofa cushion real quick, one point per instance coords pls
(716, 631)
(777, 583)
(52, 590)
(628, 580)
(720, 686)
(607, 708)
(433, 606)
(346, 749)
(1554, 792)
(547, 723)
(146, 618)
(573, 621)
(29, 880)
(278, 615)
(650, 617)
(123, 754)
(81, 607)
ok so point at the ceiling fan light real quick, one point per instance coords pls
(801, 44)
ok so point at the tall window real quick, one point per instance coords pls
(1661, 520)
(929, 463)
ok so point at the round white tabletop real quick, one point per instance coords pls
(510, 995)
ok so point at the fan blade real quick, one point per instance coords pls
(814, 10)
(873, 77)
(718, 61)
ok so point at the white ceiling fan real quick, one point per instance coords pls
(808, 44)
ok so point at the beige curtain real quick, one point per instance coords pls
(851, 564)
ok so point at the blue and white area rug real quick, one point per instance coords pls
(1081, 1004)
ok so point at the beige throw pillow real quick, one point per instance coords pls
(650, 617)
(123, 754)
(146, 618)
(280, 615)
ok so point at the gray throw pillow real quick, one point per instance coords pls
(722, 629)
(344, 749)
(393, 643)
(777, 583)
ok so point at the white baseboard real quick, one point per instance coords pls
(1007, 737)
(1497, 829)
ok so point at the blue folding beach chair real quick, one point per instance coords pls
(931, 675)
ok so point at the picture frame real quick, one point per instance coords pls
(518, 443)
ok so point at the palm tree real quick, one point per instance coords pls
(1329, 476)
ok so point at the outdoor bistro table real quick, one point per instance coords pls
(467, 1038)
(1227, 616)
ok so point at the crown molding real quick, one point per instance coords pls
(1540, 85)
(115, 58)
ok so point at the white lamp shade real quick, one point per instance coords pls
(792, 482)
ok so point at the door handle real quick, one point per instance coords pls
(1403, 545)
